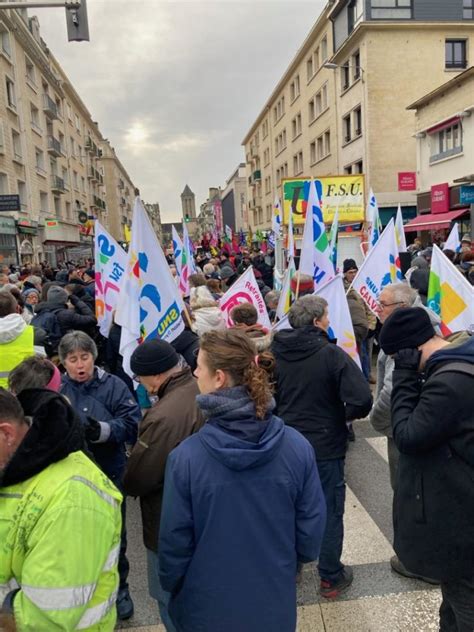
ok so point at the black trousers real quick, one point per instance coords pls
(456, 613)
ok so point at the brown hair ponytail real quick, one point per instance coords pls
(235, 353)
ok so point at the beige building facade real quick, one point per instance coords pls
(444, 134)
(340, 108)
(52, 154)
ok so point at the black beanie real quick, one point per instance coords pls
(153, 357)
(406, 328)
(349, 264)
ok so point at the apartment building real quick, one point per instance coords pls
(340, 108)
(120, 193)
(444, 133)
(50, 153)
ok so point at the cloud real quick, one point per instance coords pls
(176, 85)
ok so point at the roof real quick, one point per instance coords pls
(433, 221)
(457, 80)
(187, 191)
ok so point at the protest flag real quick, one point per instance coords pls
(245, 290)
(375, 224)
(276, 217)
(334, 238)
(453, 242)
(177, 250)
(284, 302)
(400, 231)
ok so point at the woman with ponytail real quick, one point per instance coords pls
(242, 503)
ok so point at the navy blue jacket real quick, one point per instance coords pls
(237, 516)
(106, 398)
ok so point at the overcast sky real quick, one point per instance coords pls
(175, 86)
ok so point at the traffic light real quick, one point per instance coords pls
(77, 25)
(187, 218)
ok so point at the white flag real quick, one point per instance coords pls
(276, 216)
(291, 236)
(284, 302)
(151, 306)
(245, 290)
(453, 242)
(449, 294)
(380, 268)
(375, 224)
(334, 237)
(340, 323)
(399, 231)
(177, 250)
(315, 251)
(188, 245)
(110, 263)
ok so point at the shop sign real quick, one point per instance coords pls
(466, 195)
(440, 198)
(9, 203)
(407, 181)
(7, 226)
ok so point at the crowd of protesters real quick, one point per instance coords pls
(234, 440)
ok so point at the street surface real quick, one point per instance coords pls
(378, 600)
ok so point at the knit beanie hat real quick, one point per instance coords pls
(406, 328)
(349, 264)
(57, 294)
(153, 357)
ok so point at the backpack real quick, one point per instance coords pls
(48, 321)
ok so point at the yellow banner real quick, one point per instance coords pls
(344, 192)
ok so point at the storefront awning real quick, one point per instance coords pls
(433, 221)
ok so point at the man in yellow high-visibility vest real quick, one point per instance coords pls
(17, 339)
(61, 520)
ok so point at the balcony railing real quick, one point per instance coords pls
(57, 184)
(54, 147)
(49, 107)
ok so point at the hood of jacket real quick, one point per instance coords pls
(463, 352)
(55, 433)
(233, 435)
(294, 345)
(11, 327)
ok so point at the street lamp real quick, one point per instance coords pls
(329, 65)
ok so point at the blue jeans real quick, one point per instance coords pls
(331, 473)
(156, 591)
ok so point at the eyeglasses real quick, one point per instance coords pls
(384, 305)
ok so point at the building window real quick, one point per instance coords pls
(72, 145)
(446, 142)
(280, 142)
(456, 54)
(83, 184)
(44, 203)
(5, 39)
(65, 177)
(22, 193)
(3, 184)
(348, 170)
(268, 185)
(57, 206)
(309, 68)
(298, 163)
(295, 88)
(324, 49)
(30, 71)
(357, 117)
(319, 103)
(35, 119)
(11, 99)
(266, 157)
(268, 209)
(468, 9)
(312, 153)
(345, 76)
(75, 181)
(359, 166)
(327, 143)
(355, 13)
(264, 129)
(78, 123)
(356, 69)
(39, 159)
(391, 9)
(296, 126)
(17, 152)
(279, 110)
(346, 128)
(68, 210)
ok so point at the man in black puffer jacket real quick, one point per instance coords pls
(318, 389)
(433, 428)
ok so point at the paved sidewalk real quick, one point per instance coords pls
(378, 601)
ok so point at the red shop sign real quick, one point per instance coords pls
(407, 181)
(440, 198)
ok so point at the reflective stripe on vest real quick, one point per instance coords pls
(112, 559)
(12, 584)
(14, 352)
(97, 613)
(108, 499)
(59, 598)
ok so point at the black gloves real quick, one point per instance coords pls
(407, 359)
(92, 429)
